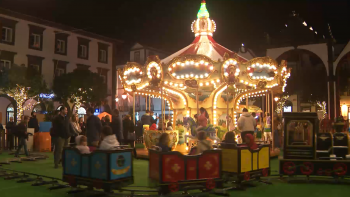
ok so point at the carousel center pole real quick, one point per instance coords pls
(227, 110)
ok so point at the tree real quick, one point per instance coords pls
(21, 83)
(78, 87)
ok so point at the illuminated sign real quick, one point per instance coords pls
(287, 109)
(46, 96)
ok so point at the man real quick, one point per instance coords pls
(21, 133)
(60, 134)
(153, 120)
(246, 123)
(116, 125)
(10, 127)
(146, 118)
(33, 122)
(93, 128)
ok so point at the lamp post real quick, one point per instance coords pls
(124, 95)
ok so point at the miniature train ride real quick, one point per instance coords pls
(309, 153)
(168, 171)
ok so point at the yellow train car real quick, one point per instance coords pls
(245, 164)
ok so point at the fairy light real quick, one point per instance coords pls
(215, 101)
(176, 93)
(150, 66)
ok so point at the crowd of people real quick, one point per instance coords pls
(94, 134)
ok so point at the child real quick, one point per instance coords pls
(81, 142)
(249, 139)
(109, 140)
(164, 141)
(203, 143)
(170, 126)
(153, 127)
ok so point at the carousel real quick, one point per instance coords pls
(204, 75)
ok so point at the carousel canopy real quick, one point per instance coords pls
(204, 44)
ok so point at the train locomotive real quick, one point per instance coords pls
(107, 170)
(309, 153)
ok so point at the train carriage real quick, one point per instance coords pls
(309, 153)
(245, 164)
(172, 171)
(102, 169)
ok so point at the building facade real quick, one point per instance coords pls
(53, 50)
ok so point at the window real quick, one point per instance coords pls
(137, 56)
(36, 40)
(103, 52)
(5, 64)
(83, 51)
(104, 78)
(59, 71)
(35, 67)
(61, 46)
(103, 73)
(6, 34)
(103, 56)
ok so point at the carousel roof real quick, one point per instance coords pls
(204, 44)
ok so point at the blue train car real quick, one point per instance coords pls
(107, 170)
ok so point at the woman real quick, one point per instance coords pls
(129, 132)
(203, 144)
(107, 121)
(82, 125)
(202, 119)
(249, 140)
(76, 127)
(164, 141)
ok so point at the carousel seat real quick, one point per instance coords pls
(193, 151)
(323, 145)
(340, 145)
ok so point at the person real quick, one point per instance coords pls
(153, 127)
(109, 140)
(76, 130)
(10, 127)
(116, 125)
(81, 144)
(246, 123)
(153, 120)
(129, 132)
(162, 123)
(202, 119)
(21, 133)
(93, 128)
(170, 126)
(249, 140)
(267, 129)
(196, 118)
(203, 144)
(61, 131)
(107, 121)
(146, 118)
(229, 138)
(255, 130)
(33, 122)
(276, 134)
(164, 141)
(82, 126)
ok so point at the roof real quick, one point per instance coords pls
(204, 45)
(57, 25)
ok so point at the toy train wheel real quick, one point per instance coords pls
(320, 171)
(173, 187)
(71, 180)
(265, 172)
(289, 168)
(340, 169)
(210, 184)
(307, 168)
(246, 176)
(98, 184)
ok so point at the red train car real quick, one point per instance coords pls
(172, 171)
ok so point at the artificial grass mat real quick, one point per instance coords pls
(45, 167)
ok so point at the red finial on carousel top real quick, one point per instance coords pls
(203, 1)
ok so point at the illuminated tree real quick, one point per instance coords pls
(78, 87)
(21, 83)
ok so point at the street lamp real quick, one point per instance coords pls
(276, 99)
(116, 100)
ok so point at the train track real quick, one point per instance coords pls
(57, 183)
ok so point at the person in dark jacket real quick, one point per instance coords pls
(146, 119)
(117, 126)
(164, 140)
(229, 140)
(82, 126)
(107, 121)
(33, 122)
(61, 132)
(10, 127)
(21, 133)
(93, 128)
(129, 132)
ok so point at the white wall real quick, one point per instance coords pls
(22, 50)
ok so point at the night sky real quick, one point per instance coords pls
(165, 24)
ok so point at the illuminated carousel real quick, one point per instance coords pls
(204, 74)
